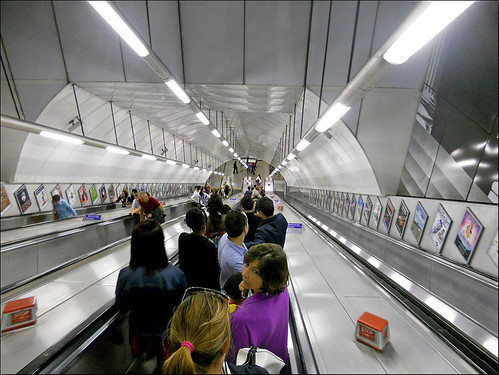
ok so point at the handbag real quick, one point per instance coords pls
(260, 357)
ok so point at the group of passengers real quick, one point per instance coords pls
(229, 291)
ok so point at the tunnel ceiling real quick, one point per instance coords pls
(246, 62)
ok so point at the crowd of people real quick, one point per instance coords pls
(229, 291)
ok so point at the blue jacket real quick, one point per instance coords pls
(271, 230)
(150, 298)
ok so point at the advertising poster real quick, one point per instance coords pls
(56, 190)
(5, 202)
(22, 198)
(353, 203)
(103, 193)
(112, 194)
(440, 227)
(360, 206)
(388, 216)
(468, 235)
(493, 250)
(402, 217)
(419, 222)
(70, 195)
(342, 202)
(346, 207)
(378, 208)
(117, 191)
(82, 192)
(94, 194)
(41, 197)
(367, 210)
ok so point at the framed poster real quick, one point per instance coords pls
(22, 198)
(346, 207)
(93, 194)
(353, 203)
(82, 192)
(360, 206)
(468, 235)
(367, 209)
(112, 194)
(378, 208)
(102, 193)
(402, 217)
(70, 195)
(493, 251)
(440, 228)
(388, 216)
(56, 190)
(41, 197)
(5, 202)
(342, 202)
(419, 222)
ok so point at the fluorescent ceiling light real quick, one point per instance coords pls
(231, 149)
(330, 117)
(235, 155)
(171, 162)
(210, 171)
(196, 168)
(203, 118)
(117, 150)
(291, 156)
(428, 24)
(185, 165)
(149, 157)
(60, 137)
(225, 143)
(115, 21)
(205, 170)
(177, 90)
(302, 145)
(216, 133)
(284, 162)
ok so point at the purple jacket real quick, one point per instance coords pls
(261, 320)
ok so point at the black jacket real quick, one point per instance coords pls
(253, 221)
(271, 230)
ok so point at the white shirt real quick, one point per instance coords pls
(195, 196)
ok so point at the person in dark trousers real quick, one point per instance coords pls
(234, 167)
(253, 219)
(273, 227)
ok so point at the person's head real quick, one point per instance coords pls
(249, 187)
(199, 333)
(231, 286)
(265, 268)
(148, 246)
(142, 196)
(247, 203)
(265, 206)
(215, 201)
(134, 192)
(195, 219)
(236, 223)
(56, 199)
(226, 208)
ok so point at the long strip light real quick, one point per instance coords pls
(171, 162)
(226, 144)
(231, 149)
(117, 150)
(428, 24)
(331, 116)
(185, 165)
(115, 21)
(60, 137)
(149, 157)
(216, 133)
(179, 91)
(203, 118)
(302, 145)
(291, 156)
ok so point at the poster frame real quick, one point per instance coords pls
(388, 215)
(103, 197)
(405, 210)
(112, 194)
(419, 213)
(70, 195)
(346, 207)
(40, 191)
(83, 194)
(435, 228)
(360, 207)
(460, 241)
(378, 210)
(56, 190)
(368, 209)
(23, 206)
(353, 205)
(5, 201)
(94, 194)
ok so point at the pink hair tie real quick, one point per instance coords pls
(188, 344)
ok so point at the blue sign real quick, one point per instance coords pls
(93, 217)
(276, 200)
(233, 199)
(295, 225)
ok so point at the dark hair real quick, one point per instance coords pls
(226, 209)
(272, 266)
(235, 221)
(56, 198)
(148, 246)
(231, 286)
(266, 206)
(134, 191)
(195, 219)
(247, 202)
(215, 208)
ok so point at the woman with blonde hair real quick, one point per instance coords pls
(199, 336)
